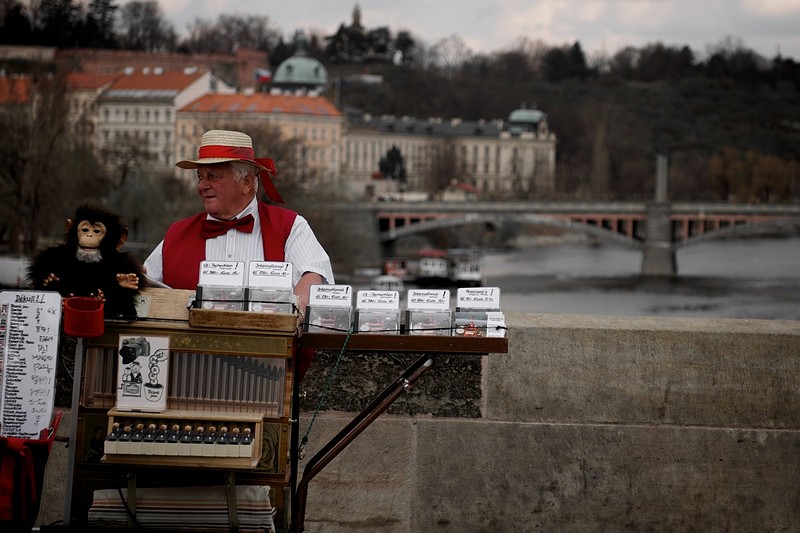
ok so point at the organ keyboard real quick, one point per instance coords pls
(208, 439)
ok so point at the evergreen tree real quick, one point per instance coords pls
(392, 165)
(15, 26)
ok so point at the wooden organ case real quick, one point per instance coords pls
(228, 372)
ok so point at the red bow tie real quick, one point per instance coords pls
(214, 228)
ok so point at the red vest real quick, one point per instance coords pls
(184, 247)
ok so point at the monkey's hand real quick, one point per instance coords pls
(128, 281)
(50, 279)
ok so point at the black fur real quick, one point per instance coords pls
(78, 278)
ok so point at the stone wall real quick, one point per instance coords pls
(588, 424)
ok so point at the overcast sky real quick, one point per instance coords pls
(601, 26)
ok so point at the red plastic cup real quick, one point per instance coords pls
(83, 317)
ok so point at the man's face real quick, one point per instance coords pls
(223, 196)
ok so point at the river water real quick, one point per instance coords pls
(755, 278)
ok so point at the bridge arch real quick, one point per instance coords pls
(563, 222)
(782, 227)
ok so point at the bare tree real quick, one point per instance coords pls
(449, 54)
(230, 32)
(124, 157)
(143, 27)
(444, 166)
(42, 175)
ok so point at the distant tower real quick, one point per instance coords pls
(357, 19)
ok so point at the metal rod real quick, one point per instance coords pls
(350, 432)
(77, 376)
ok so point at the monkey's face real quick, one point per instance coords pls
(90, 235)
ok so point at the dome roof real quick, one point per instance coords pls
(301, 70)
(526, 116)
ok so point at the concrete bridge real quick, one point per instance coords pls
(658, 228)
(620, 221)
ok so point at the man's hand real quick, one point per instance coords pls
(302, 289)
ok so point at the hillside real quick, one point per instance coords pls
(609, 128)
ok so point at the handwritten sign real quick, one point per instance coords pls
(331, 295)
(429, 299)
(378, 300)
(30, 324)
(478, 298)
(222, 273)
(272, 274)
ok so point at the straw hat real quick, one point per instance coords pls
(223, 146)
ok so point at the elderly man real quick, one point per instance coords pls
(235, 226)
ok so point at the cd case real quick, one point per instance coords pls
(429, 322)
(264, 300)
(220, 298)
(385, 321)
(470, 323)
(322, 319)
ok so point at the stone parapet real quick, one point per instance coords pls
(589, 423)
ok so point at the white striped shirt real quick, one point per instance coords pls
(302, 249)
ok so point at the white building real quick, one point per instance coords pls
(137, 114)
(501, 158)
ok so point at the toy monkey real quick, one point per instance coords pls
(89, 263)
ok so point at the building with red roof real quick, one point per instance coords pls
(83, 90)
(310, 119)
(137, 113)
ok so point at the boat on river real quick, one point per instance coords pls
(433, 267)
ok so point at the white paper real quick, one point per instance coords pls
(222, 273)
(331, 296)
(30, 354)
(434, 300)
(495, 324)
(378, 300)
(478, 298)
(269, 274)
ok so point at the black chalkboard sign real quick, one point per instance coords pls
(29, 328)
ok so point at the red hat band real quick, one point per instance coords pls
(238, 152)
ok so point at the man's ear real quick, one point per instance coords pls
(250, 181)
(123, 237)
